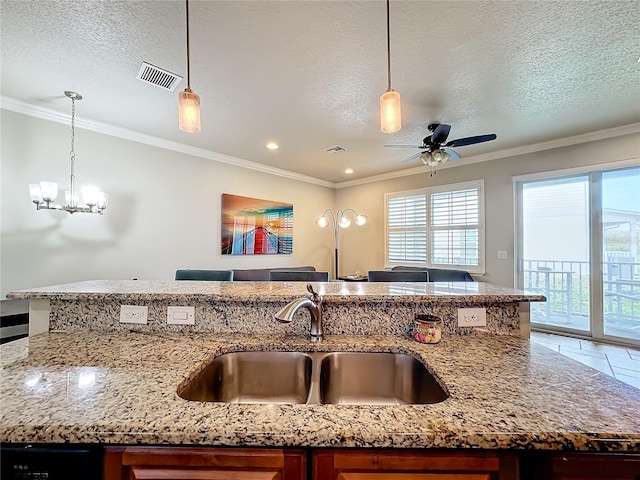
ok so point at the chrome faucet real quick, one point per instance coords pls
(313, 304)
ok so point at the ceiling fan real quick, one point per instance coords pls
(434, 150)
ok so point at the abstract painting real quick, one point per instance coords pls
(256, 227)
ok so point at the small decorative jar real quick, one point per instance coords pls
(427, 328)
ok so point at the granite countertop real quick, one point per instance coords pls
(121, 388)
(333, 292)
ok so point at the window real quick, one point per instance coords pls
(440, 227)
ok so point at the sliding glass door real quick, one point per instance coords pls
(556, 251)
(578, 246)
(621, 263)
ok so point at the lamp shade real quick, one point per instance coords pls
(344, 222)
(90, 194)
(361, 219)
(189, 111)
(72, 202)
(49, 191)
(103, 200)
(440, 156)
(390, 112)
(35, 193)
(322, 222)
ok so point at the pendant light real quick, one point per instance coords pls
(390, 114)
(44, 194)
(189, 102)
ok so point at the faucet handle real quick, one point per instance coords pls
(315, 296)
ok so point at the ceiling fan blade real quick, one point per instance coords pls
(405, 146)
(453, 155)
(461, 142)
(411, 157)
(440, 134)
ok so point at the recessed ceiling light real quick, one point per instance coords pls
(349, 171)
(273, 146)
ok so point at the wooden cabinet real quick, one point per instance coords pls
(361, 464)
(580, 466)
(200, 463)
(196, 463)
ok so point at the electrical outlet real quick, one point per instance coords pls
(472, 317)
(181, 315)
(133, 314)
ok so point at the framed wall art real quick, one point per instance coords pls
(251, 226)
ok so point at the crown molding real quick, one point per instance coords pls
(509, 152)
(18, 106)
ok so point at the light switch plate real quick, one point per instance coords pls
(472, 317)
(133, 314)
(502, 255)
(181, 315)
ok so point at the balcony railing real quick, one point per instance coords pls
(566, 286)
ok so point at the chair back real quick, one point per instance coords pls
(205, 275)
(440, 274)
(298, 276)
(397, 276)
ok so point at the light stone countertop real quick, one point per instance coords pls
(333, 292)
(90, 387)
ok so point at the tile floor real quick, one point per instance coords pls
(622, 363)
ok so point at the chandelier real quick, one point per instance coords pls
(44, 194)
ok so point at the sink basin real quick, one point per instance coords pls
(349, 378)
(252, 377)
(364, 378)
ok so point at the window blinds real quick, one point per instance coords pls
(436, 227)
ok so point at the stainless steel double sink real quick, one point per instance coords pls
(350, 378)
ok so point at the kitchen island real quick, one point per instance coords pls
(94, 380)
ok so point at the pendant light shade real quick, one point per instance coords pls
(390, 111)
(188, 101)
(189, 111)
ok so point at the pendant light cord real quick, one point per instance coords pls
(388, 50)
(188, 62)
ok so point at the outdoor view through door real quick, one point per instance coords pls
(580, 248)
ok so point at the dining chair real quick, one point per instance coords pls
(298, 276)
(205, 275)
(397, 276)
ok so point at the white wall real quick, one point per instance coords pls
(164, 210)
(363, 249)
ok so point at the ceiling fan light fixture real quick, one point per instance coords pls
(390, 110)
(440, 156)
(426, 158)
(188, 101)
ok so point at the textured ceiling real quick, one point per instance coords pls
(308, 74)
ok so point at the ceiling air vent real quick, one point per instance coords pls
(157, 76)
(335, 149)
